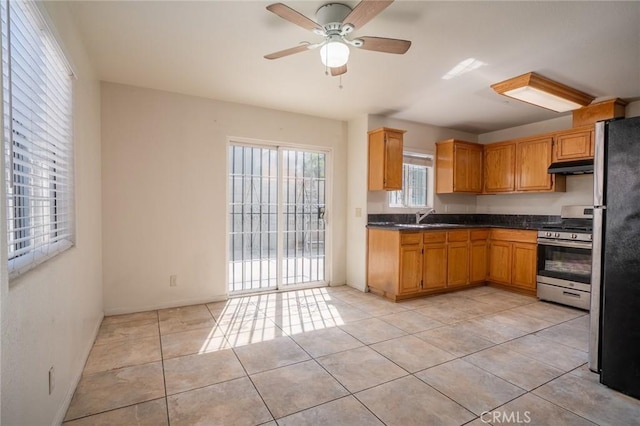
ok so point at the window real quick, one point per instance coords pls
(37, 138)
(417, 170)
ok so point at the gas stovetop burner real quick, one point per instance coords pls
(568, 228)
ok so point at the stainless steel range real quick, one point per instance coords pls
(564, 258)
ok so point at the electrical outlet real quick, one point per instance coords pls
(52, 380)
(173, 281)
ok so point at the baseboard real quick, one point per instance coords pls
(364, 288)
(165, 305)
(76, 379)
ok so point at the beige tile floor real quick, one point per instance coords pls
(336, 356)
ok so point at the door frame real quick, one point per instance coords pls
(328, 259)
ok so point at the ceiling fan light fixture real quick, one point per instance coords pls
(542, 92)
(334, 54)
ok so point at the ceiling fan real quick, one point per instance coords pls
(334, 21)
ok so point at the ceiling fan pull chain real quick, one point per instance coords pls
(340, 86)
(326, 62)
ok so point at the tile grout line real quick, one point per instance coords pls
(253, 384)
(378, 313)
(556, 404)
(164, 378)
(349, 393)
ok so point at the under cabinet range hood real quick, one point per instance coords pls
(577, 167)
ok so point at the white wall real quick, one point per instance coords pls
(559, 123)
(164, 162)
(357, 182)
(422, 137)
(50, 315)
(633, 109)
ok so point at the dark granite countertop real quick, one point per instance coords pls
(406, 222)
(436, 226)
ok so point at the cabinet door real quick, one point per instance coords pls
(457, 264)
(467, 168)
(393, 161)
(478, 261)
(533, 158)
(385, 159)
(410, 269)
(499, 165)
(500, 261)
(434, 266)
(573, 145)
(524, 265)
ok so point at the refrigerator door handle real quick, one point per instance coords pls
(598, 164)
(596, 289)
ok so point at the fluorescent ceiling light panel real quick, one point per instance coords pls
(463, 67)
(545, 100)
(542, 92)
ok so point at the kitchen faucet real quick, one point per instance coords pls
(422, 214)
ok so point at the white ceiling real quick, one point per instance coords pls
(215, 49)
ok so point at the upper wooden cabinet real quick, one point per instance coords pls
(521, 165)
(574, 144)
(385, 159)
(499, 167)
(458, 167)
(533, 158)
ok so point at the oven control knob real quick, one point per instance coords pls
(574, 236)
(548, 234)
(557, 235)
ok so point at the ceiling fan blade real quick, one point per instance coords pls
(285, 12)
(287, 52)
(387, 45)
(365, 11)
(336, 71)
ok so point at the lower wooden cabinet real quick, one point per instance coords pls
(524, 265)
(513, 259)
(434, 266)
(403, 264)
(478, 255)
(458, 258)
(410, 268)
(500, 261)
(406, 264)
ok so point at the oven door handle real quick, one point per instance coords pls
(570, 244)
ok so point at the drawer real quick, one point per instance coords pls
(576, 298)
(458, 236)
(515, 235)
(435, 237)
(410, 238)
(478, 234)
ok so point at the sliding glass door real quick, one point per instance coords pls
(277, 207)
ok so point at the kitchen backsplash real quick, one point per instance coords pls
(507, 220)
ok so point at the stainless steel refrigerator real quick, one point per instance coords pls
(614, 348)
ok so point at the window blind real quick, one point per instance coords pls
(37, 96)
